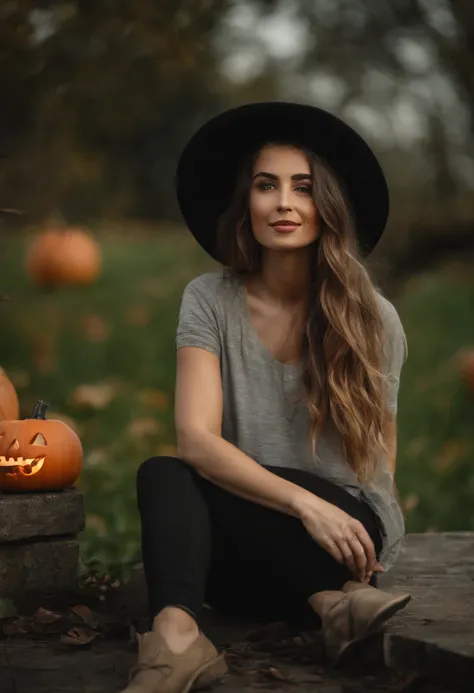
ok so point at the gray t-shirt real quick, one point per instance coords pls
(262, 413)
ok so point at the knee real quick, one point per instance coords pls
(157, 469)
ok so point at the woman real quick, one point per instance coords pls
(282, 503)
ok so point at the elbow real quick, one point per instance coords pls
(190, 446)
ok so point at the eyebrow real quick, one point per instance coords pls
(272, 176)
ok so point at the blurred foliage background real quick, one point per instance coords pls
(99, 97)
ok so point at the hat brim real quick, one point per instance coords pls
(210, 162)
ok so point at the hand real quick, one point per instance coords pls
(341, 535)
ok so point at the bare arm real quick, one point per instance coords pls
(198, 417)
(198, 420)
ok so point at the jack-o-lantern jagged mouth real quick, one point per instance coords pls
(20, 465)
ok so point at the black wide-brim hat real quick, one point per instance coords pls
(210, 162)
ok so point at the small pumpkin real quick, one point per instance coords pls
(9, 404)
(38, 454)
(466, 368)
(63, 256)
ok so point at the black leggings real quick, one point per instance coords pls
(201, 544)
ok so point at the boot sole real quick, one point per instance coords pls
(347, 651)
(386, 612)
(209, 673)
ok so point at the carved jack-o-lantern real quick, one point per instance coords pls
(38, 454)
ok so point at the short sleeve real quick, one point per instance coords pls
(198, 323)
(395, 353)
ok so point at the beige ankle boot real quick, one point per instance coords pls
(161, 671)
(354, 612)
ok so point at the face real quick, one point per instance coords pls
(282, 211)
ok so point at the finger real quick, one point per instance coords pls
(367, 543)
(333, 549)
(359, 555)
(348, 556)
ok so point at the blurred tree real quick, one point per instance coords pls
(101, 95)
(404, 71)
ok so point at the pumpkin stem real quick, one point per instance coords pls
(39, 410)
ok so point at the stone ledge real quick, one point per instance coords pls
(38, 567)
(30, 515)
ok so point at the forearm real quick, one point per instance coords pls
(229, 468)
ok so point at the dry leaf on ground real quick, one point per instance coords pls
(146, 426)
(154, 398)
(18, 626)
(138, 315)
(79, 637)
(94, 328)
(94, 396)
(86, 615)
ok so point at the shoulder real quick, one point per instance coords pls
(390, 316)
(215, 288)
(394, 333)
(213, 283)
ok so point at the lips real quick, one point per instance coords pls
(285, 226)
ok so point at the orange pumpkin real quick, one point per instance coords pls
(9, 405)
(37, 454)
(63, 256)
(466, 367)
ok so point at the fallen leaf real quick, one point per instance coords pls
(410, 502)
(94, 396)
(47, 622)
(42, 615)
(451, 452)
(154, 398)
(79, 637)
(416, 447)
(96, 457)
(147, 426)
(17, 627)
(156, 287)
(271, 674)
(86, 615)
(94, 328)
(97, 523)
(138, 315)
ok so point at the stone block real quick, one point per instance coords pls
(31, 515)
(49, 566)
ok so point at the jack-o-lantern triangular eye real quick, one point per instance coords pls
(38, 440)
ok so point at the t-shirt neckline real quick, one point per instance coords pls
(260, 346)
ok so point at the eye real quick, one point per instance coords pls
(38, 440)
(265, 186)
(304, 188)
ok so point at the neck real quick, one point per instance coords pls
(284, 277)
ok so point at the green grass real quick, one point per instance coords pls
(117, 339)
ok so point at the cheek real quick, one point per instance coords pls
(310, 213)
(259, 206)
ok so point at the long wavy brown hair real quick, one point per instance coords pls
(342, 344)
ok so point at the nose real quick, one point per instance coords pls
(284, 201)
